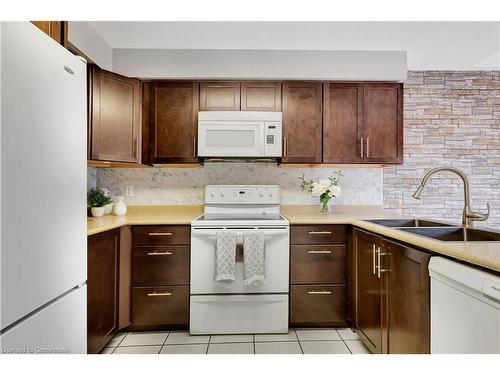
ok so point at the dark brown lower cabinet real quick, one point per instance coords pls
(102, 288)
(368, 291)
(160, 277)
(318, 291)
(318, 305)
(409, 299)
(160, 306)
(392, 295)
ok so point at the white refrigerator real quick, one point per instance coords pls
(43, 186)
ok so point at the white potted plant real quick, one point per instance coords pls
(97, 200)
(325, 189)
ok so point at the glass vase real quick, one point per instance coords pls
(325, 209)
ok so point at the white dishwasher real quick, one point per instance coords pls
(465, 308)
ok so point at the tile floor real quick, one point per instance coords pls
(296, 341)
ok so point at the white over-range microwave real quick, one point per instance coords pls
(237, 134)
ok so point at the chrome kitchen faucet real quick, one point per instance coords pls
(468, 216)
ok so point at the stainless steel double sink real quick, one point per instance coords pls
(437, 230)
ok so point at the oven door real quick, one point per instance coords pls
(231, 138)
(203, 242)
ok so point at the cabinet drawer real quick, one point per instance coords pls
(318, 264)
(318, 304)
(161, 265)
(318, 234)
(160, 306)
(157, 235)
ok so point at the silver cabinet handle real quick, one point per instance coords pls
(160, 234)
(361, 143)
(160, 253)
(285, 146)
(320, 232)
(319, 251)
(155, 294)
(379, 267)
(194, 147)
(320, 292)
(367, 147)
(373, 260)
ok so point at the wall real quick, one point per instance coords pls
(430, 45)
(450, 119)
(186, 186)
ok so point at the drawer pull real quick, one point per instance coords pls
(164, 294)
(320, 292)
(320, 232)
(319, 251)
(160, 234)
(160, 253)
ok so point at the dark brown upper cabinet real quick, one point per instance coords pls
(302, 133)
(57, 30)
(343, 123)
(173, 122)
(115, 116)
(362, 123)
(383, 122)
(261, 96)
(220, 96)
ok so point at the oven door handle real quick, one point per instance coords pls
(239, 233)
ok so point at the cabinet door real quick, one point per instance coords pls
(115, 106)
(54, 29)
(220, 96)
(261, 96)
(302, 122)
(368, 290)
(383, 122)
(102, 289)
(174, 122)
(342, 123)
(408, 296)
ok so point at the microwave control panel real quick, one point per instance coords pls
(272, 139)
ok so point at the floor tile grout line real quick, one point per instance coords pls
(208, 344)
(297, 336)
(164, 341)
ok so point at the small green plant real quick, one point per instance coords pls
(98, 197)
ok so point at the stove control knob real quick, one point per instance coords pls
(261, 194)
(222, 194)
(212, 194)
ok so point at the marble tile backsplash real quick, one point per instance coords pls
(171, 186)
(91, 178)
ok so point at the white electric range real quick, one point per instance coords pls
(221, 307)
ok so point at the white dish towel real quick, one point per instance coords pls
(253, 257)
(225, 255)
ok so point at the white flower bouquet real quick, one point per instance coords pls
(325, 189)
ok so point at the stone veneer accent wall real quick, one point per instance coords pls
(450, 119)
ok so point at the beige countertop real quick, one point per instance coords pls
(145, 215)
(485, 254)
